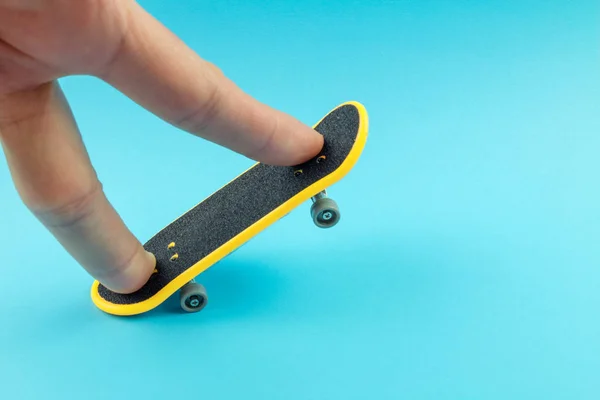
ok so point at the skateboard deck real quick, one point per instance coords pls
(240, 210)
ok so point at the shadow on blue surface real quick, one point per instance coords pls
(235, 290)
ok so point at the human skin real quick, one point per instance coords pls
(118, 42)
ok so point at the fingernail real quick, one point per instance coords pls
(151, 259)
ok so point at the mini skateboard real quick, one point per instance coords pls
(240, 210)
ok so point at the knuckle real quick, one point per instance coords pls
(203, 116)
(270, 139)
(69, 211)
(20, 107)
(213, 68)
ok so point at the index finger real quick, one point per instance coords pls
(158, 71)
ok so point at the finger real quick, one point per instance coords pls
(154, 68)
(22, 4)
(54, 177)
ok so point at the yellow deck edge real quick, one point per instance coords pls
(248, 233)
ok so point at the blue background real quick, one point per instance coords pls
(467, 262)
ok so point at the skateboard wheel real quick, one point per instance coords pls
(192, 297)
(325, 212)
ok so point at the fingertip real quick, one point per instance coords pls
(311, 144)
(135, 275)
(302, 148)
(292, 143)
(140, 274)
(151, 260)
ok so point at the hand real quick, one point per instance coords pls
(118, 42)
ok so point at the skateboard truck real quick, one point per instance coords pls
(325, 214)
(193, 297)
(324, 210)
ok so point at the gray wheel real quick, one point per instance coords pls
(325, 212)
(192, 297)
